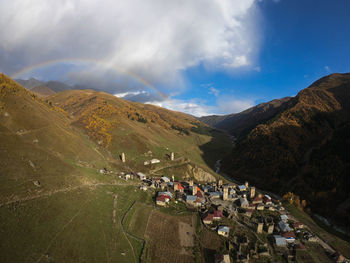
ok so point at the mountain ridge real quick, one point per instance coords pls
(303, 148)
(240, 123)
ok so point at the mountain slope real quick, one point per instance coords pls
(57, 86)
(135, 128)
(29, 83)
(55, 205)
(43, 91)
(38, 144)
(304, 148)
(241, 123)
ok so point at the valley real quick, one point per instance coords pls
(88, 177)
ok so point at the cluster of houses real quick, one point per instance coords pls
(217, 203)
(229, 198)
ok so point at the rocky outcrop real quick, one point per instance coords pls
(198, 174)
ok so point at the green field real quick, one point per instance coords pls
(74, 226)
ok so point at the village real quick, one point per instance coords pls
(266, 229)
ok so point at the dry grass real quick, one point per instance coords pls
(167, 238)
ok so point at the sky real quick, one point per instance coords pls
(201, 57)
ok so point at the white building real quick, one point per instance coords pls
(224, 231)
(244, 202)
(165, 179)
(280, 241)
(141, 176)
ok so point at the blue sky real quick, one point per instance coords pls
(199, 57)
(301, 42)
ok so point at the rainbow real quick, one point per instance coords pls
(76, 61)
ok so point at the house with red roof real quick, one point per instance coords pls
(199, 193)
(289, 236)
(257, 200)
(298, 225)
(217, 215)
(178, 187)
(162, 200)
(208, 219)
(267, 200)
(251, 207)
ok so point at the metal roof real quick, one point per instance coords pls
(192, 198)
(224, 229)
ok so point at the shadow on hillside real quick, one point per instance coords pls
(217, 148)
(311, 159)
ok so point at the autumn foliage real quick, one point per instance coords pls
(100, 113)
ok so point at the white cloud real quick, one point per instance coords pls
(327, 68)
(155, 39)
(192, 107)
(214, 91)
(224, 105)
(229, 104)
(129, 93)
(257, 69)
(196, 107)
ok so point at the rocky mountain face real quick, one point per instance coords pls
(197, 173)
(304, 147)
(238, 124)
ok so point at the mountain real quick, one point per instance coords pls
(55, 86)
(241, 123)
(134, 128)
(304, 148)
(43, 91)
(30, 83)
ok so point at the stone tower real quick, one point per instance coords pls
(252, 192)
(172, 156)
(123, 157)
(225, 196)
(260, 228)
(270, 229)
(194, 189)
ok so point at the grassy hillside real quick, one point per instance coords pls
(54, 204)
(304, 148)
(38, 144)
(137, 129)
(75, 226)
